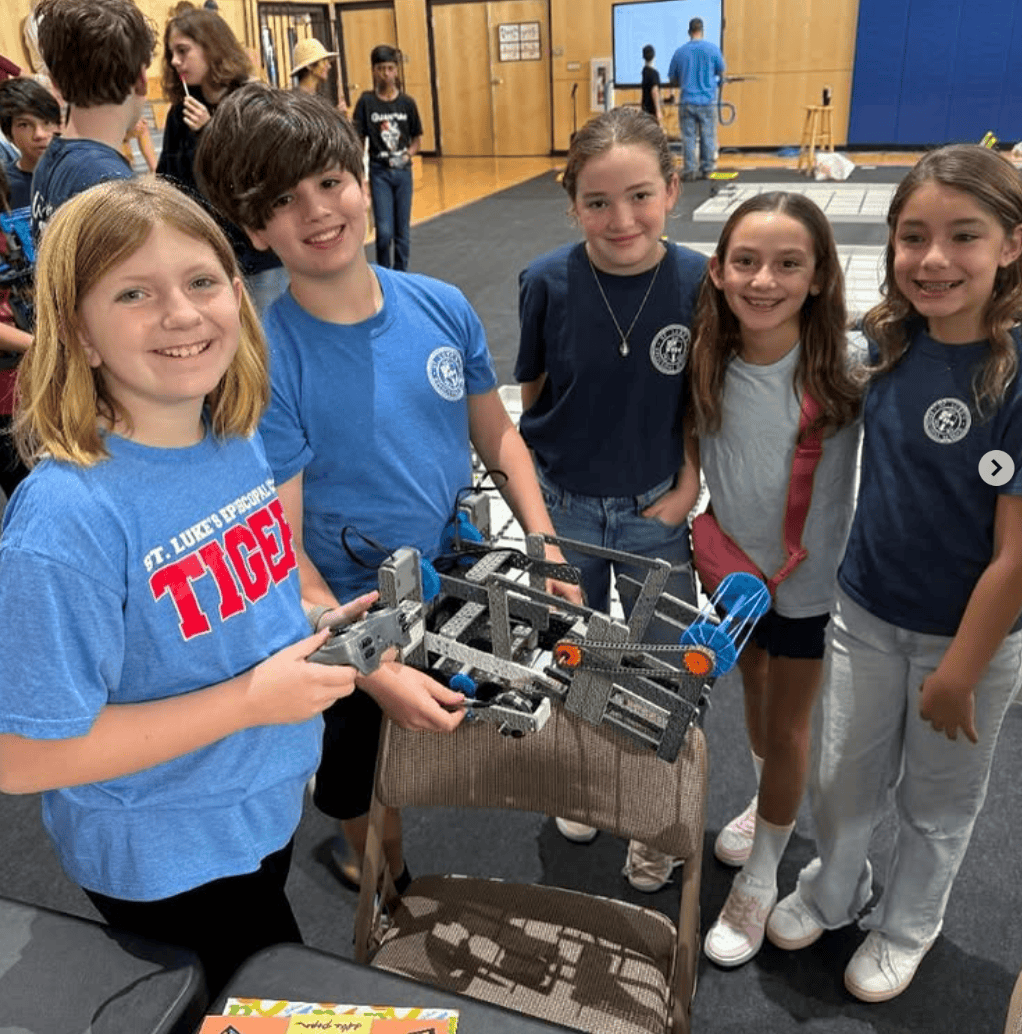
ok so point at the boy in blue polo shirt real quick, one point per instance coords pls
(381, 381)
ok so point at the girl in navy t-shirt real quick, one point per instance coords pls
(925, 642)
(605, 337)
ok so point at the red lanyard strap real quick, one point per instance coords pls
(808, 451)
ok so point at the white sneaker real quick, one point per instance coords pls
(880, 969)
(734, 842)
(737, 935)
(648, 869)
(577, 832)
(791, 925)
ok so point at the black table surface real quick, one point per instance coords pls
(300, 974)
(60, 974)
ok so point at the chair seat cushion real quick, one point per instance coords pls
(521, 946)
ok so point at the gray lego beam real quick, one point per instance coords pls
(591, 690)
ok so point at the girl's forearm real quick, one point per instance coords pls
(125, 738)
(993, 608)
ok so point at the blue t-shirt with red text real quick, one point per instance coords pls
(151, 574)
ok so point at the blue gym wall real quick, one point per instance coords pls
(936, 71)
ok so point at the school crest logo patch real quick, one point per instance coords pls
(947, 421)
(446, 374)
(669, 349)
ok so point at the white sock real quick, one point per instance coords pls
(757, 762)
(767, 847)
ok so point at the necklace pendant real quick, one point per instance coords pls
(623, 348)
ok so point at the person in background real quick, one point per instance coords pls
(13, 344)
(311, 68)
(389, 119)
(29, 117)
(698, 67)
(651, 85)
(203, 62)
(97, 52)
(141, 135)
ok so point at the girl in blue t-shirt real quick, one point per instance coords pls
(157, 688)
(926, 647)
(770, 329)
(604, 342)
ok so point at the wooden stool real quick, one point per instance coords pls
(817, 134)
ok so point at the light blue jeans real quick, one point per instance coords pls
(869, 741)
(701, 120)
(616, 523)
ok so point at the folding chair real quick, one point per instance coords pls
(576, 959)
(1013, 1023)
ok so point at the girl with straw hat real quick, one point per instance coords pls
(310, 65)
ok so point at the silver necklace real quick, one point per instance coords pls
(623, 348)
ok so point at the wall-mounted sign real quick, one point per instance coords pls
(519, 41)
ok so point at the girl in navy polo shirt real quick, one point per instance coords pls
(926, 647)
(770, 329)
(605, 336)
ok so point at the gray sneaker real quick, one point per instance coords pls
(791, 925)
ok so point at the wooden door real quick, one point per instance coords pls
(462, 66)
(362, 28)
(491, 101)
(520, 88)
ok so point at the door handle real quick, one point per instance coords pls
(496, 82)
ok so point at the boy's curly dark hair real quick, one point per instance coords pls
(262, 142)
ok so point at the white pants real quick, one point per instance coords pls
(868, 740)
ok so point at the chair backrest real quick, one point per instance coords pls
(571, 768)
(1013, 1024)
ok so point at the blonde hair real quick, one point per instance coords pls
(993, 183)
(61, 399)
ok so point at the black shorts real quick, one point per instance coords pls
(800, 638)
(351, 740)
